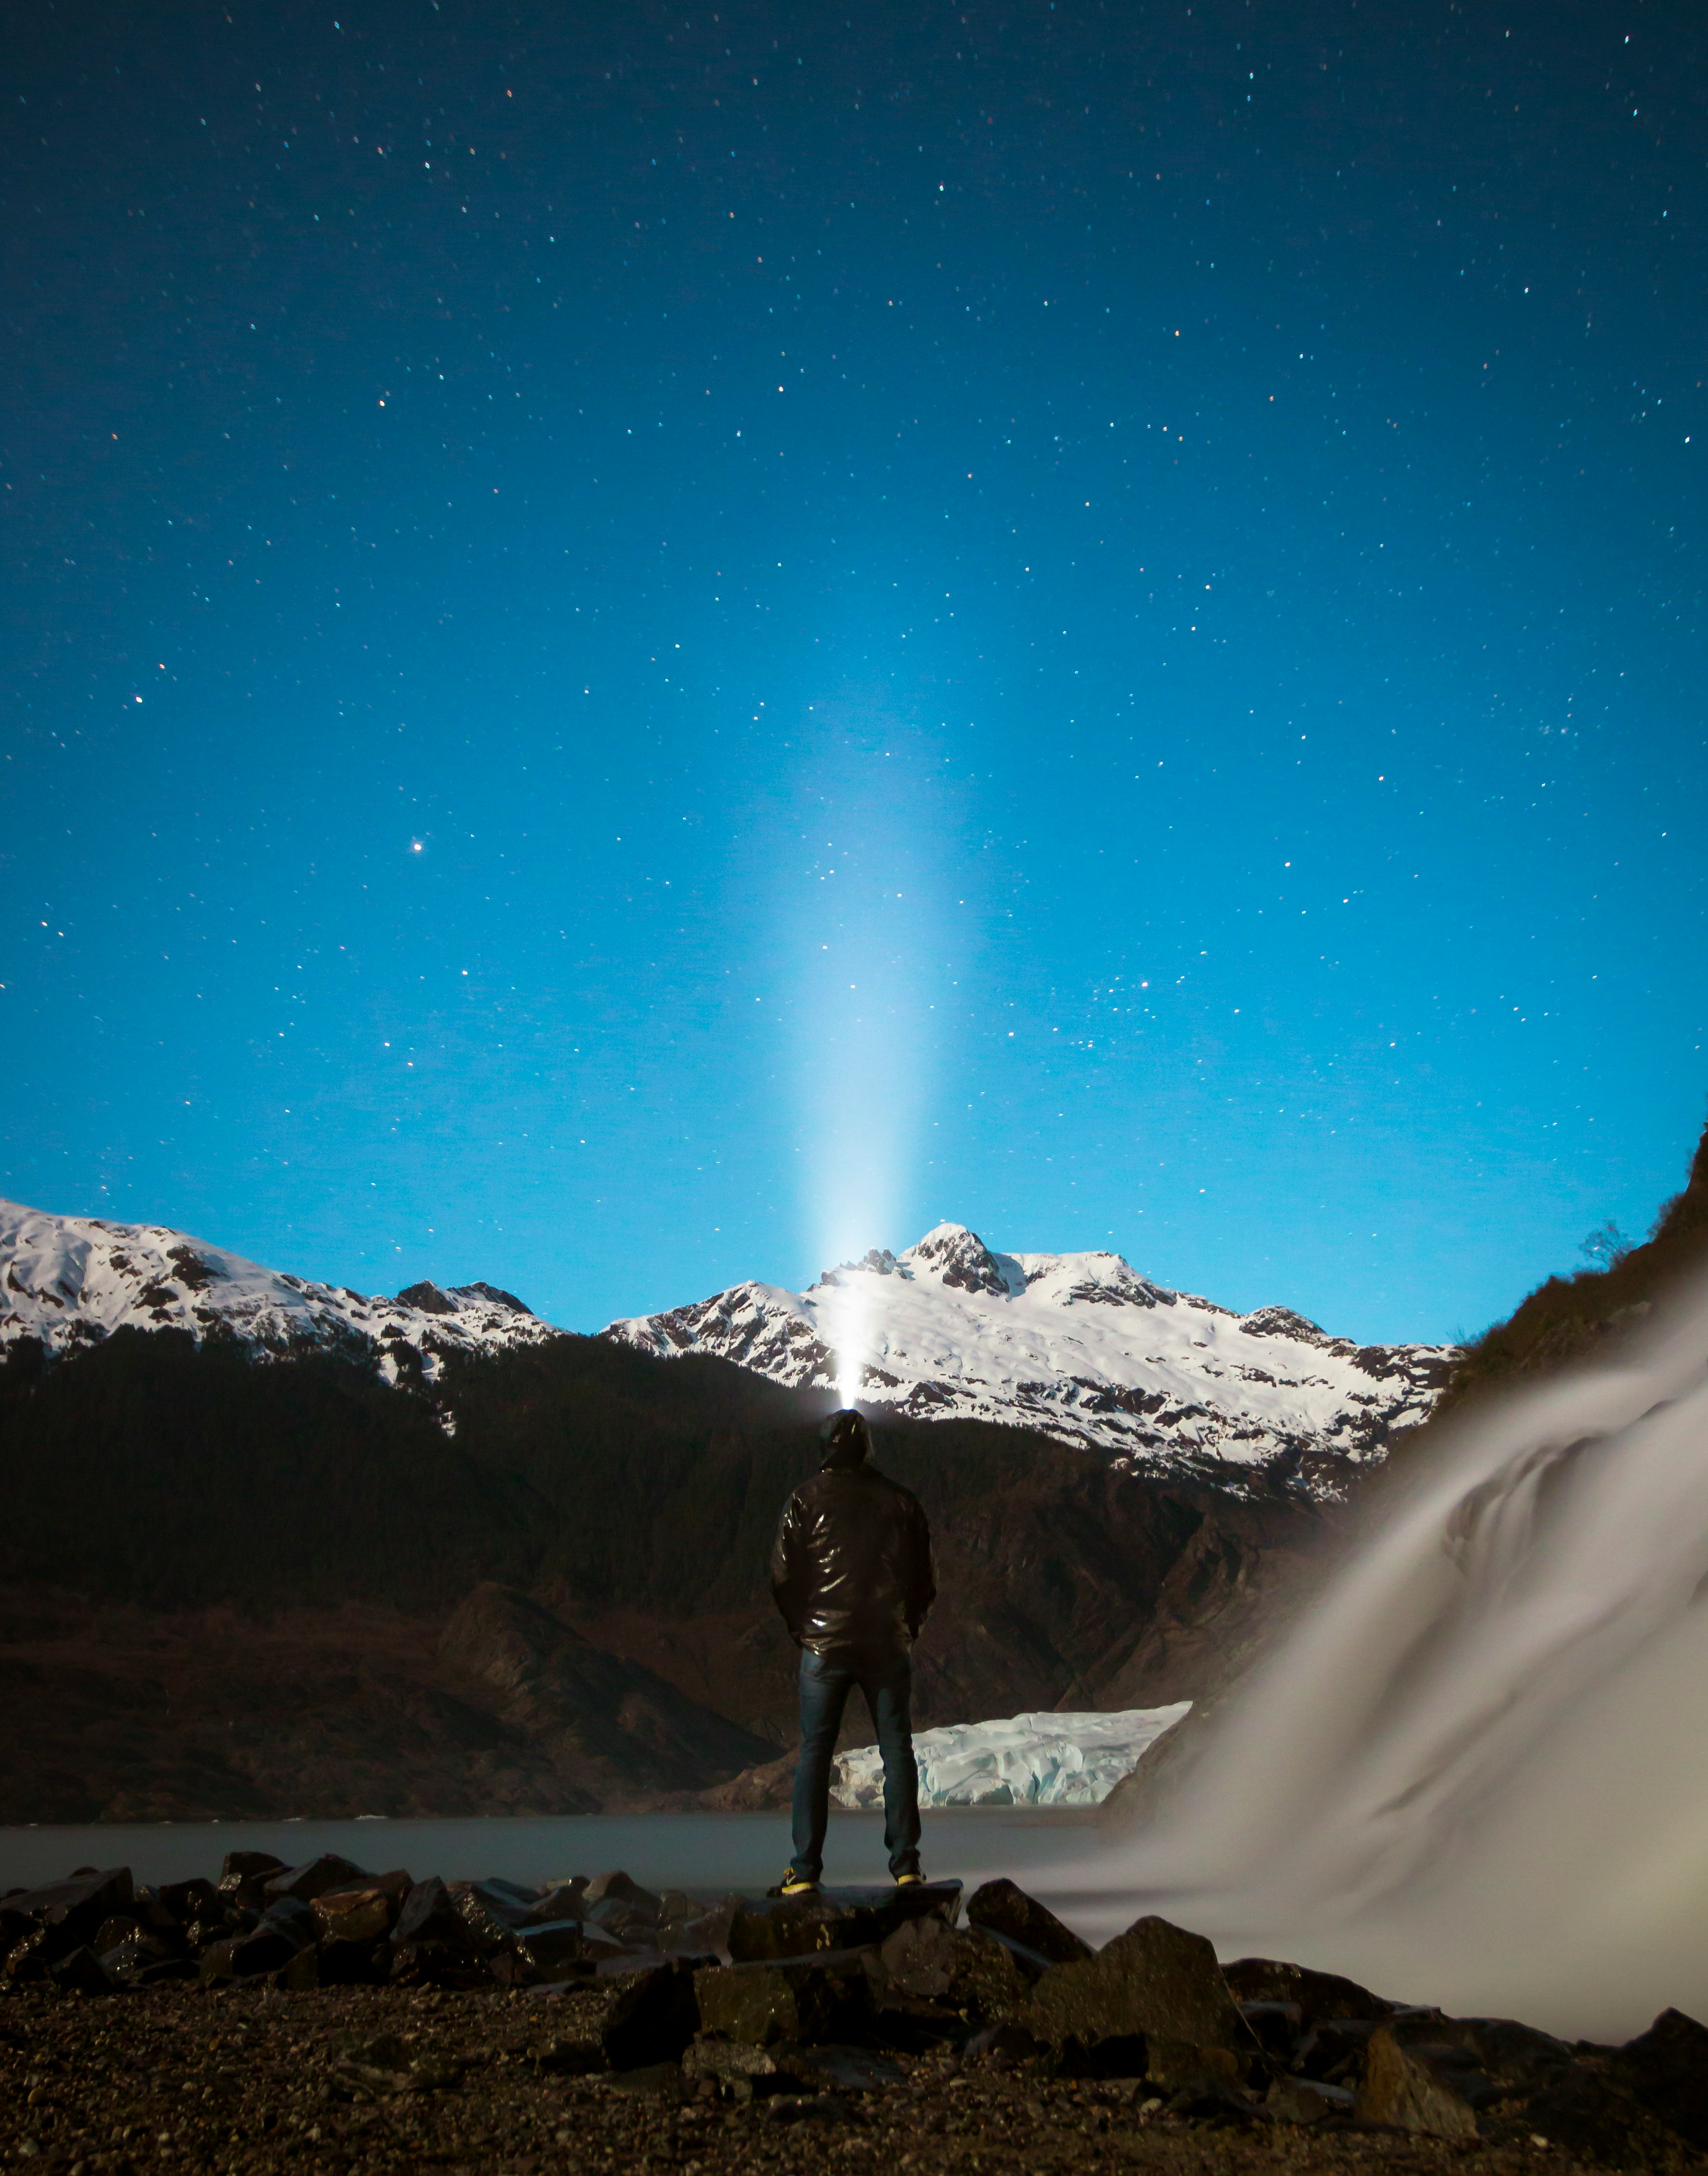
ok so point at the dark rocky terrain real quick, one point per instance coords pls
(317, 2017)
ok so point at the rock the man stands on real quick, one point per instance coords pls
(851, 1569)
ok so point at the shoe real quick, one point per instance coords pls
(910, 1881)
(796, 1885)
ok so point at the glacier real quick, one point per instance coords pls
(1045, 1759)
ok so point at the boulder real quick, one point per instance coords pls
(286, 1930)
(305, 1883)
(921, 1958)
(68, 1914)
(766, 1927)
(1296, 2100)
(427, 1915)
(1156, 1982)
(1320, 1996)
(297, 1974)
(801, 2000)
(354, 1915)
(1333, 2051)
(654, 2018)
(80, 1971)
(193, 1903)
(241, 1867)
(1277, 2027)
(1406, 2090)
(618, 1886)
(554, 1950)
(1582, 2113)
(1665, 2069)
(29, 1957)
(562, 1900)
(1003, 2046)
(354, 1962)
(989, 1984)
(1003, 1909)
(127, 1958)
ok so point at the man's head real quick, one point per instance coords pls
(847, 1439)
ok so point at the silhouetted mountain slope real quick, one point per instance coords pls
(634, 1498)
(1569, 1318)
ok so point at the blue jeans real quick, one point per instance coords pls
(826, 1681)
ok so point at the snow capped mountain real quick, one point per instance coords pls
(1078, 1345)
(72, 1280)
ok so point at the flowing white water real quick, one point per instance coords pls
(1478, 1774)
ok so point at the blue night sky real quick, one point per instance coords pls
(642, 647)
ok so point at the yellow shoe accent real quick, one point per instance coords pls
(797, 1885)
(908, 1880)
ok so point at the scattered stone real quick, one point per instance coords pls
(619, 1888)
(1404, 2089)
(354, 1915)
(1156, 1982)
(653, 2019)
(1296, 2100)
(764, 1929)
(1319, 1995)
(1666, 2069)
(67, 1914)
(1003, 1909)
(921, 1958)
(428, 1915)
(304, 1884)
(990, 1982)
(1004, 2045)
(795, 1999)
(1276, 2026)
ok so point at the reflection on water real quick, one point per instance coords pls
(681, 1851)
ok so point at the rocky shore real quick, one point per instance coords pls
(320, 2016)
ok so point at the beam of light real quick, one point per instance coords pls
(869, 931)
(1475, 1776)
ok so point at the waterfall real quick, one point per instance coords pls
(1477, 1773)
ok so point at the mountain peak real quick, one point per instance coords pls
(1078, 1347)
(961, 1260)
(72, 1280)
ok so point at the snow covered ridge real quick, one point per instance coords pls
(1028, 1760)
(73, 1280)
(1081, 1347)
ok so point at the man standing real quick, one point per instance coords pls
(851, 1569)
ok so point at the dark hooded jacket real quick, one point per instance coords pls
(850, 1567)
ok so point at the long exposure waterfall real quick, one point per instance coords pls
(1477, 1774)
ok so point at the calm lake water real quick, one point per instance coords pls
(714, 1851)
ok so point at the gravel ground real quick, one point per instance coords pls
(252, 2078)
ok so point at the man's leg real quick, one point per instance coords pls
(888, 1685)
(823, 1696)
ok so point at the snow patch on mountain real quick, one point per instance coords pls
(1079, 1346)
(1027, 1760)
(73, 1280)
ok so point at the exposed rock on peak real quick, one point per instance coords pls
(961, 1260)
(1081, 1347)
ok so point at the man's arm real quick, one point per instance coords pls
(787, 1568)
(922, 1581)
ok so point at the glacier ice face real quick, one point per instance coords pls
(1079, 1346)
(1024, 1761)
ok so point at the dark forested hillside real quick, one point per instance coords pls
(635, 1497)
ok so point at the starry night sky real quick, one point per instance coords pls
(641, 645)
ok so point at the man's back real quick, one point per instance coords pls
(851, 1564)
